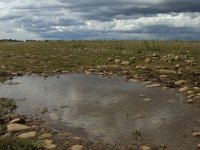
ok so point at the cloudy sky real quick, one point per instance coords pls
(100, 19)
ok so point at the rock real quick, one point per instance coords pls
(27, 135)
(195, 134)
(147, 60)
(76, 147)
(14, 127)
(140, 67)
(45, 135)
(147, 99)
(189, 92)
(147, 82)
(198, 145)
(48, 144)
(109, 59)
(163, 76)
(177, 66)
(88, 72)
(184, 89)
(196, 88)
(125, 63)
(189, 101)
(117, 60)
(133, 80)
(145, 148)
(180, 82)
(44, 110)
(76, 138)
(17, 120)
(92, 70)
(155, 55)
(167, 72)
(153, 85)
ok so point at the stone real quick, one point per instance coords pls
(180, 82)
(117, 60)
(145, 148)
(163, 76)
(190, 92)
(92, 70)
(44, 110)
(88, 72)
(133, 80)
(48, 144)
(140, 67)
(153, 85)
(27, 135)
(190, 101)
(14, 127)
(76, 147)
(45, 135)
(147, 82)
(198, 145)
(147, 60)
(110, 59)
(76, 138)
(195, 134)
(17, 120)
(125, 63)
(177, 66)
(184, 89)
(147, 99)
(196, 88)
(167, 72)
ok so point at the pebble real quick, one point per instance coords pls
(17, 120)
(180, 82)
(189, 101)
(45, 135)
(147, 99)
(167, 72)
(145, 148)
(184, 89)
(48, 144)
(76, 147)
(125, 63)
(195, 134)
(14, 127)
(27, 135)
(153, 85)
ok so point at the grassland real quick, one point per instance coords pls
(41, 57)
(47, 57)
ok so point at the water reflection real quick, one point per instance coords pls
(109, 108)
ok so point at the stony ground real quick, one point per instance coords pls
(157, 64)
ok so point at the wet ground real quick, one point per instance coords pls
(111, 110)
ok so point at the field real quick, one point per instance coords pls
(77, 56)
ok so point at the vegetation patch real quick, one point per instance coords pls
(7, 104)
(14, 143)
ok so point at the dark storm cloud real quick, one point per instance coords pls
(108, 9)
(99, 19)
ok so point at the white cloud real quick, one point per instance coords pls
(43, 19)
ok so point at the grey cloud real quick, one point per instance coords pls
(72, 19)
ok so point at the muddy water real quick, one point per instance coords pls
(109, 109)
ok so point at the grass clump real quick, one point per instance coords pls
(7, 105)
(14, 143)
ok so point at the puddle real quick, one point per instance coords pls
(112, 110)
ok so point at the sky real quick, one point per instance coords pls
(100, 19)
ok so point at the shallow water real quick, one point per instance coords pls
(109, 109)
